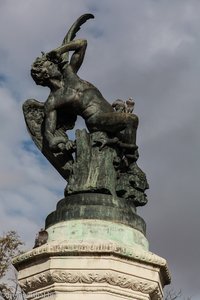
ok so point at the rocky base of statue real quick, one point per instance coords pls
(86, 259)
(104, 165)
(102, 184)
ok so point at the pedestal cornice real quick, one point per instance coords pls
(98, 248)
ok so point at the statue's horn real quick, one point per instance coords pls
(72, 32)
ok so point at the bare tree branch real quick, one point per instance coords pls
(9, 247)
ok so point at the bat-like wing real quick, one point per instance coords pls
(34, 117)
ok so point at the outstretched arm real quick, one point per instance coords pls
(79, 48)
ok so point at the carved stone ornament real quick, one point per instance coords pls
(73, 277)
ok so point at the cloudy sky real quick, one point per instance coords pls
(146, 49)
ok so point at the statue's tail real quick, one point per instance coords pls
(72, 33)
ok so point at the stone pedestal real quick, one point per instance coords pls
(92, 259)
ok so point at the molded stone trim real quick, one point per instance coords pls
(94, 247)
(74, 277)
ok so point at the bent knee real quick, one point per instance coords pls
(132, 120)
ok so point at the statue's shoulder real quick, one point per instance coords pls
(68, 72)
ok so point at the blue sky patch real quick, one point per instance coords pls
(29, 147)
(3, 78)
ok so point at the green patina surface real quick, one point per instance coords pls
(97, 229)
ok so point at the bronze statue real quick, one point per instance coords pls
(112, 128)
(71, 96)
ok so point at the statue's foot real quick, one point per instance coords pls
(109, 142)
(70, 145)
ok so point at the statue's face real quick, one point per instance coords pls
(51, 70)
(43, 71)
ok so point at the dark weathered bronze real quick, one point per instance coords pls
(101, 163)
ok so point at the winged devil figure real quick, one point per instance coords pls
(70, 96)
